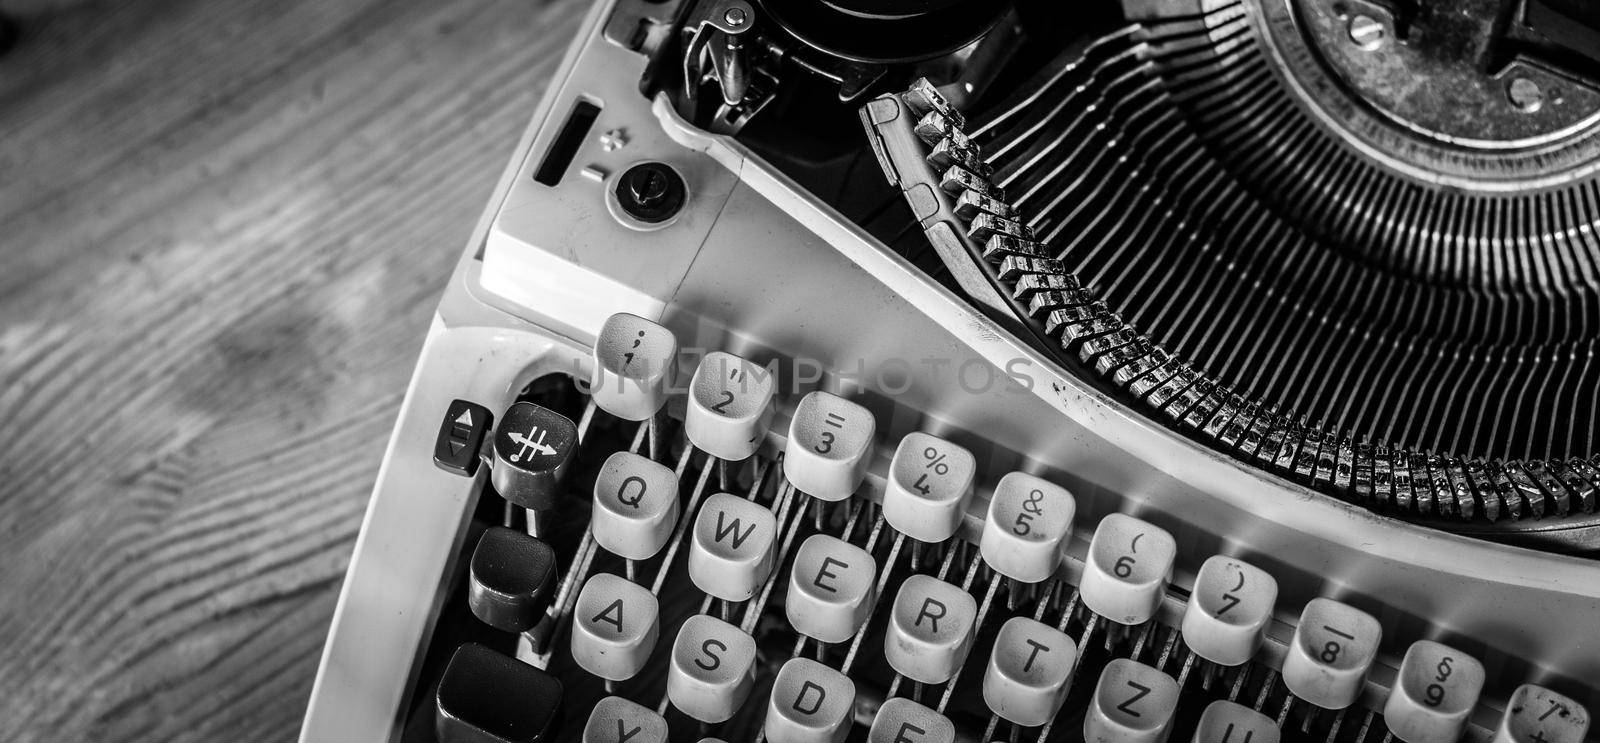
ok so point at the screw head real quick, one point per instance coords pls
(650, 192)
(1525, 94)
(735, 17)
(1367, 32)
(647, 185)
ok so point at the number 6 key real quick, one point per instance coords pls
(1333, 647)
(1126, 574)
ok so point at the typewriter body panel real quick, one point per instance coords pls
(755, 266)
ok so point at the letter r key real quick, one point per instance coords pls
(930, 629)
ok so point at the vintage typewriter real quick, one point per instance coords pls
(920, 371)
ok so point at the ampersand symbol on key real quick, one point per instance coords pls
(1031, 503)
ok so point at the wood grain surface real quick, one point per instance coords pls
(224, 225)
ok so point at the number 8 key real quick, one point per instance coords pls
(1333, 647)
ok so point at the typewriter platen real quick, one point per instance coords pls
(921, 371)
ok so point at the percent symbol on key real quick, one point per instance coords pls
(935, 461)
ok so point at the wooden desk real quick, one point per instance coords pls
(223, 227)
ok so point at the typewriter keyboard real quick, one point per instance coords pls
(632, 576)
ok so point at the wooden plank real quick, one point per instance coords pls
(224, 225)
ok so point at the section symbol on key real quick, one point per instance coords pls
(1434, 693)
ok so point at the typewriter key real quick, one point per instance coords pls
(930, 629)
(532, 447)
(1228, 610)
(1333, 647)
(713, 669)
(1128, 566)
(830, 445)
(486, 697)
(1433, 694)
(635, 363)
(614, 627)
(1133, 703)
(901, 720)
(1026, 680)
(511, 579)
(810, 703)
(617, 720)
(1028, 520)
(1537, 715)
(1231, 722)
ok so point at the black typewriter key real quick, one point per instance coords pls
(532, 448)
(486, 697)
(461, 436)
(512, 577)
